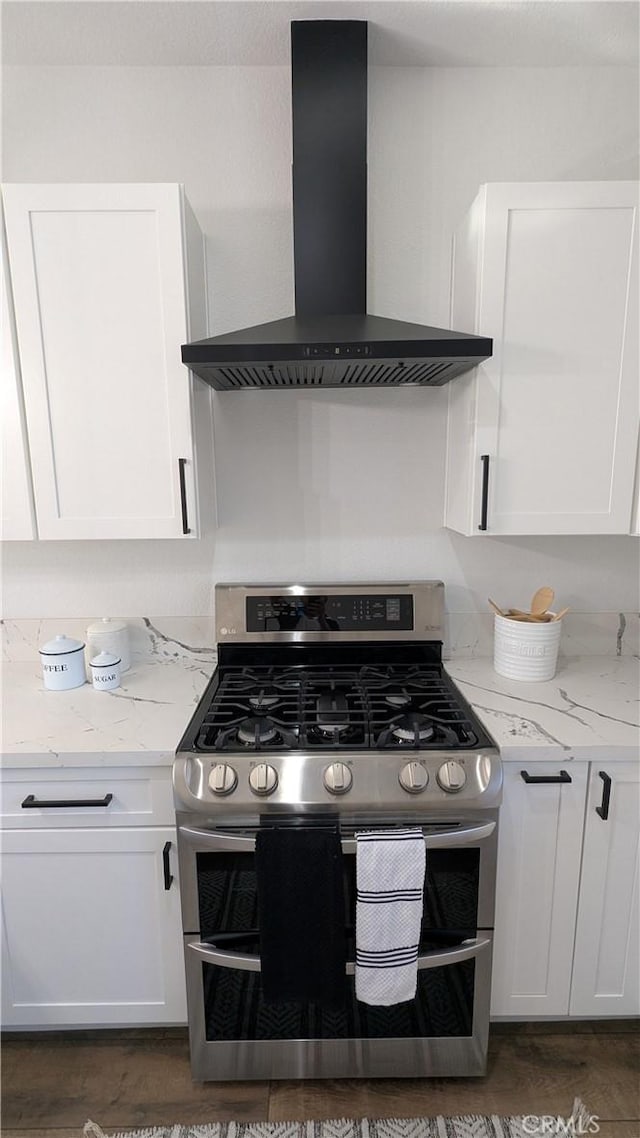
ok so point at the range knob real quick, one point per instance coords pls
(263, 779)
(338, 778)
(223, 779)
(451, 776)
(413, 778)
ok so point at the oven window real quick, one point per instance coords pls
(235, 1009)
(227, 895)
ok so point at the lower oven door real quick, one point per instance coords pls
(235, 1034)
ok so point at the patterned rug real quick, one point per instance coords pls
(464, 1126)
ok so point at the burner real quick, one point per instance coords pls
(398, 699)
(264, 700)
(332, 713)
(257, 729)
(414, 728)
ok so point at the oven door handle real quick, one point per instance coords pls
(246, 963)
(447, 839)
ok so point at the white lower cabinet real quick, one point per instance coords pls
(91, 935)
(606, 974)
(539, 851)
(566, 927)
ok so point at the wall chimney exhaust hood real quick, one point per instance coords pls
(332, 341)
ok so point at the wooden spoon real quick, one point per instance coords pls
(559, 615)
(542, 600)
(495, 607)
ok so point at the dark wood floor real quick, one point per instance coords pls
(122, 1080)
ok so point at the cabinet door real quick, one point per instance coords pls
(552, 276)
(539, 850)
(98, 278)
(90, 934)
(606, 973)
(17, 519)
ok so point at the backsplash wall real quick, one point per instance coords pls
(333, 485)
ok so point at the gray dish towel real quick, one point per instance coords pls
(390, 869)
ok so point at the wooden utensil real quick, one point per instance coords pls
(495, 607)
(542, 600)
(559, 615)
(531, 618)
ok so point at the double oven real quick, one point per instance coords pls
(313, 726)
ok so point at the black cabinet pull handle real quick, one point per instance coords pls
(484, 509)
(168, 876)
(528, 778)
(603, 808)
(33, 803)
(182, 462)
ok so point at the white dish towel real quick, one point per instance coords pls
(390, 868)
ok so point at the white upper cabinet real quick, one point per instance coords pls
(17, 521)
(108, 283)
(542, 438)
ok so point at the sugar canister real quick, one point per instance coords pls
(63, 663)
(105, 671)
(112, 636)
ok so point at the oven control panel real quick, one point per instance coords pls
(353, 612)
(291, 782)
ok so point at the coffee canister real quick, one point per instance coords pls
(63, 663)
(109, 635)
(105, 671)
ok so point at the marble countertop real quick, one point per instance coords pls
(138, 724)
(589, 711)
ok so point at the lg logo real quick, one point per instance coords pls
(229, 631)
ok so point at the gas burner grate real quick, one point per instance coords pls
(385, 707)
(418, 696)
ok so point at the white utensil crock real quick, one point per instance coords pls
(105, 671)
(63, 663)
(526, 650)
(108, 635)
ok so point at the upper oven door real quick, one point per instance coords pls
(219, 882)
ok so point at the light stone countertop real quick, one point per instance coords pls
(138, 724)
(589, 711)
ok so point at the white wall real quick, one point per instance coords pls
(327, 485)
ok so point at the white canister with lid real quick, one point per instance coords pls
(63, 663)
(105, 671)
(109, 635)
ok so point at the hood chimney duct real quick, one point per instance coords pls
(329, 104)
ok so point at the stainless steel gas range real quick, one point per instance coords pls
(330, 706)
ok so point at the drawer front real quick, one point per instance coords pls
(49, 799)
